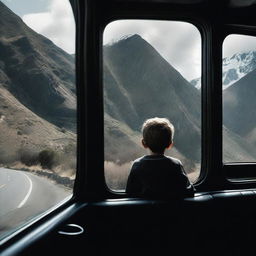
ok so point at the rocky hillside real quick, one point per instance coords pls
(239, 78)
(234, 68)
(36, 72)
(38, 102)
(139, 84)
(37, 96)
(238, 66)
(239, 105)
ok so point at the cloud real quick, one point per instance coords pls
(178, 42)
(57, 24)
(237, 44)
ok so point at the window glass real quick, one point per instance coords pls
(239, 92)
(37, 109)
(150, 69)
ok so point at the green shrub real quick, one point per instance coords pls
(48, 158)
(28, 157)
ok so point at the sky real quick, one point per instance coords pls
(178, 42)
(238, 43)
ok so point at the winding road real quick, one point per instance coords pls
(23, 196)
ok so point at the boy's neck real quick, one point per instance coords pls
(155, 154)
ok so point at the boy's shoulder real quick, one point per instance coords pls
(174, 160)
(138, 160)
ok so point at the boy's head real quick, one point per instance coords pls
(157, 134)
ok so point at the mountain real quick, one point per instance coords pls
(239, 130)
(237, 66)
(139, 84)
(234, 68)
(125, 143)
(239, 106)
(237, 148)
(196, 82)
(37, 72)
(22, 132)
(38, 101)
(37, 97)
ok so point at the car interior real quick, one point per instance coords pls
(219, 219)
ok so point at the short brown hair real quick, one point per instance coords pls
(157, 134)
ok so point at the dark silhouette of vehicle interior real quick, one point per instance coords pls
(219, 219)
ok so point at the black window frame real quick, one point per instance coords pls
(199, 27)
(65, 205)
(208, 177)
(213, 173)
(240, 173)
(91, 16)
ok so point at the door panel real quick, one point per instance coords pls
(212, 224)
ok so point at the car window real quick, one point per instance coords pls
(150, 69)
(37, 109)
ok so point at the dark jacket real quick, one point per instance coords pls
(158, 176)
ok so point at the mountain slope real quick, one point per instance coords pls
(38, 73)
(37, 99)
(239, 105)
(23, 132)
(139, 84)
(234, 68)
(237, 66)
(239, 132)
(237, 148)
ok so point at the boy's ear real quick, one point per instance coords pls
(144, 144)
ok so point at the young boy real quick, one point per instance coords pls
(156, 175)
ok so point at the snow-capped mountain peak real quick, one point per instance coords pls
(234, 68)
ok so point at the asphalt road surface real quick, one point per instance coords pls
(23, 196)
